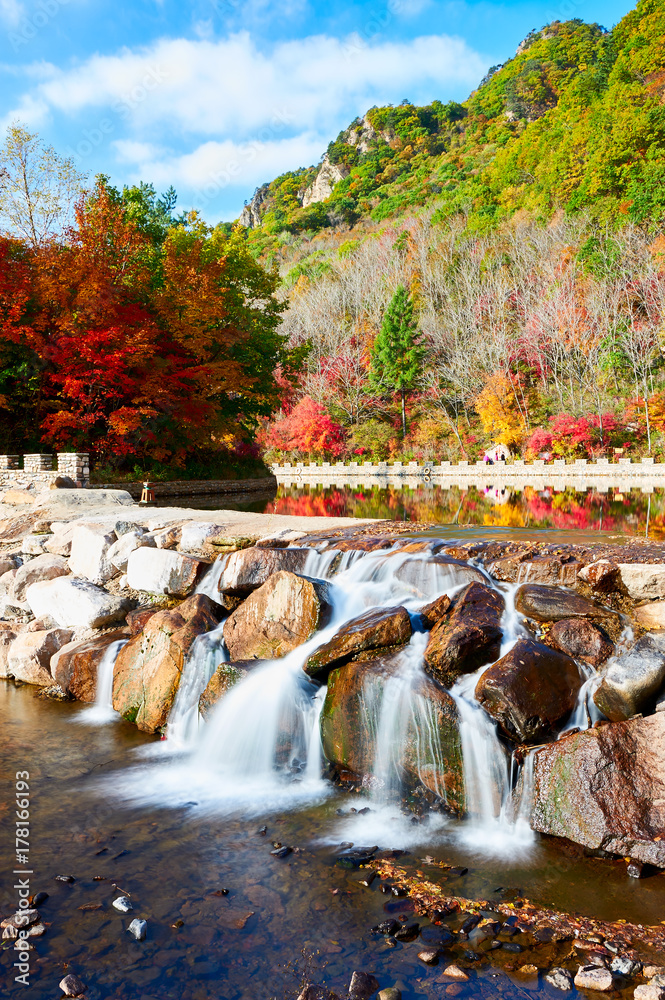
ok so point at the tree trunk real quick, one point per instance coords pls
(403, 414)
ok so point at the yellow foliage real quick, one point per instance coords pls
(498, 410)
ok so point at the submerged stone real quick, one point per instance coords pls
(468, 637)
(377, 629)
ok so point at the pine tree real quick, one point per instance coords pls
(397, 354)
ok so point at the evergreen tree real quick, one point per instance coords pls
(397, 354)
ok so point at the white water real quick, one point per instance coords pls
(206, 654)
(102, 710)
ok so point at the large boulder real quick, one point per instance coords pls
(74, 667)
(37, 570)
(581, 639)
(148, 669)
(161, 571)
(529, 690)
(468, 637)
(90, 553)
(7, 636)
(225, 677)
(551, 604)
(427, 741)
(122, 548)
(29, 655)
(196, 535)
(282, 614)
(605, 789)
(651, 616)
(426, 576)
(602, 576)
(633, 680)
(248, 569)
(643, 581)
(75, 603)
(380, 628)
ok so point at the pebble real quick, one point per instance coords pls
(653, 970)
(390, 993)
(39, 898)
(362, 985)
(454, 972)
(138, 929)
(72, 986)
(430, 956)
(649, 991)
(560, 979)
(635, 869)
(386, 927)
(512, 946)
(122, 904)
(282, 852)
(590, 977)
(625, 966)
(528, 970)
(21, 918)
(64, 878)
(408, 932)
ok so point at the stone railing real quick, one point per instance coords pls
(38, 469)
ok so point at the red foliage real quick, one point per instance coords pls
(307, 429)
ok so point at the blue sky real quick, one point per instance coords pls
(217, 96)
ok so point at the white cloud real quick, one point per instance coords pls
(11, 12)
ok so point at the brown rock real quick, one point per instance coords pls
(29, 656)
(148, 669)
(377, 629)
(432, 613)
(46, 567)
(349, 728)
(548, 570)
(582, 640)
(550, 604)
(650, 616)
(7, 636)
(137, 619)
(454, 972)
(74, 667)
(17, 497)
(605, 789)
(530, 690)
(602, 576)
(248, 569)
(633, 680)
(226, 676)
(7, 563)
(282, 614)
(468, 637)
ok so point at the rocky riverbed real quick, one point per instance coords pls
(515, 686)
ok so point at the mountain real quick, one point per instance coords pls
(575, 120)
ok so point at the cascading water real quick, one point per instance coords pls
(205, 655)
(102, 710)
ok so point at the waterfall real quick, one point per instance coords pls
(102, 710)
(205, 655)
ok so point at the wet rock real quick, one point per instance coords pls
(635, 869)
(356, 858)
(276, 618)
(138, 929)
(602, 576)
(29, 656)
(468, 637)
(547, 570)
(148, 669)
(374, 630)
(529, 690)
(590, 977)
(119, 553)
(386, 927)
(625, 966)
(161, 571)
(22, 918)
(363, 985)
(314, 992)
(39, 898)
(72, 986)
(65, 878)
(74, 666)
(650, 616)
(390, 993)
(432, 613)
(74, 603)
(632, 680)
(407, 932)
(349, 727)
(605, 789)
(643, 581)
(649, 991)
(137, 619)
(430, 956)
(44, 567)
(248, 569)
(226, 676)
(436, 573)
(7, 636)
(122, 904)
(453, 971)
(560, 979)
(581, 639)
(89, 557)
(550, 604)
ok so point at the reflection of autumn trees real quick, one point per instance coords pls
(529, 509)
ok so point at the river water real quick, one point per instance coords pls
(175, 823)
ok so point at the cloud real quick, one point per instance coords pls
(11, 12)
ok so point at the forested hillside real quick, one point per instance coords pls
(525, 225)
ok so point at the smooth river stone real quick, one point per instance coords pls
(633, 680)
(468, 637)
(380, 628)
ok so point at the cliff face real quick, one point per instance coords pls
(250, 217)
(329, 174)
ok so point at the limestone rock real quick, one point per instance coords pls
(529, 690)
(74, 666)
(34, 545)
(166, 538)
(581, 639)
(282, 614)
(7, 636)
(605, 789)
(633, 680)
(196, 535)
(226, 676)
(161, 571)
(148, 669)
(560, 979)
(468, 637)
(126, 543)
(643, 581)
(37, 570)
(602, 576)
(89, 556)
(327, 177)
(7, 582)
(349, 727)
(29, 655)
(650, 616)
(550, 604)
(248, 569)
(649, 991)
(7, 563)
(75, 603)
(590, 977)
(60, 542)
(377, 629)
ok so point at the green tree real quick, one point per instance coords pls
(397, 354)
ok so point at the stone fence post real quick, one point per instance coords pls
(37, 463)
(76, 465)
(9, 462)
